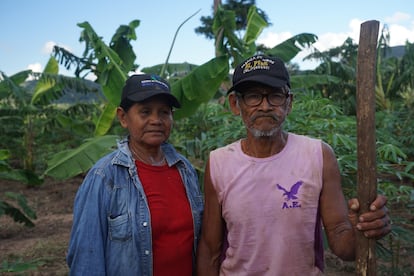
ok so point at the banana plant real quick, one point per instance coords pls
(111, 66)
(237, 49)
(25, 109)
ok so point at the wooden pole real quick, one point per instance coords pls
(366, 174)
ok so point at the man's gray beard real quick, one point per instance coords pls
(262, 133)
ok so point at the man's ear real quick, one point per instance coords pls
(121, 114)
(234, 104)
(290, 104)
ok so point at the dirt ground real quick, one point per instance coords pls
(45, 245)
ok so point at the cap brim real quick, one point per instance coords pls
(142, 96)
(266, 80)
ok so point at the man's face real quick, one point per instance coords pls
(263, 108)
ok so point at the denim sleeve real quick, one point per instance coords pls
(86, 253)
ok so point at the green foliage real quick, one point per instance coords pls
(228, 42)
(214, 126)
(199, 86)
(20, 266)
(395, 81)
(19, 175)
(26, 109)
(338, 62)
(240, 9)
(396, 194)
(71, 162)
(392, 249)
(23, 213)
(324, 107)
(196, 87)
(288, 49)
(211, 126)
(319, 117)
(173, 71)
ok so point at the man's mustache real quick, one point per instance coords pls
(262, 115)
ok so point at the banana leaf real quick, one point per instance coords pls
(199, 86)
(69, 163)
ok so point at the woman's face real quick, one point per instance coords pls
(149, 123)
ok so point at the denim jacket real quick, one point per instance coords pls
(111, 232)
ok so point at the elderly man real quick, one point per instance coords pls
(267, 195)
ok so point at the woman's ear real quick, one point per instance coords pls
(121, 114)
(234, 104)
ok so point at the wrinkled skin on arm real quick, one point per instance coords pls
(341, 221)
(212, 231)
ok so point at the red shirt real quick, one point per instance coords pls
(171, 219)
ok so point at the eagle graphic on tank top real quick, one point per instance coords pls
(291, 195)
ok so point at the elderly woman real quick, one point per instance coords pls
(138, 211)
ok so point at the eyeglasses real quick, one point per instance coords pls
(255, 99)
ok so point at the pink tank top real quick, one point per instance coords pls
(270, 206)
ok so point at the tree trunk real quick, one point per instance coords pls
(366, 174)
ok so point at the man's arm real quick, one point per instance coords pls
(334, 211)
(339, 221)
(210, 245)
